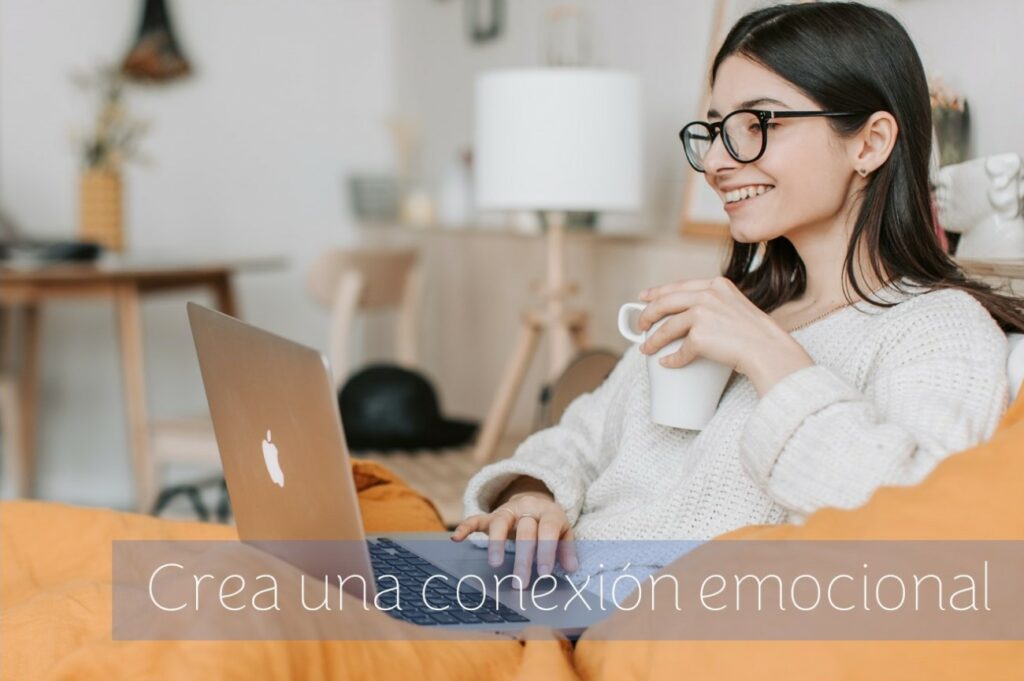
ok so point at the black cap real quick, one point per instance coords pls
(389, 407)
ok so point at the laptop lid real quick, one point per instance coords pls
(275, 417)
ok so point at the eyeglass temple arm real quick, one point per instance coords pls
(801, 114)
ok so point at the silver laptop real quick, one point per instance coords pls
(279, 432)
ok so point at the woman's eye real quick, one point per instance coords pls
(772, 126)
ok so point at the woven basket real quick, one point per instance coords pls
(100, 209)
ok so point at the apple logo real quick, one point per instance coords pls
(270, 458)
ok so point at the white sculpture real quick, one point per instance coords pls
(983, 200)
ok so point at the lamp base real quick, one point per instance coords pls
(566, 331)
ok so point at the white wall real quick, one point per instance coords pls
(289, 97)
(976, 47)
(250, 155)
(665, 42)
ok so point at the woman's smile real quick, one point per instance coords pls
(736, 198)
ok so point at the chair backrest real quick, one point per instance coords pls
(348, 281)
(585, 373)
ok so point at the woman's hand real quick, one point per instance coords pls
(721, 324)
(540, 526)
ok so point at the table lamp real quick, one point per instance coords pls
(553, 140)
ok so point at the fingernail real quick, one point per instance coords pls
(494, 559)
(663, 361)
(571, 565)
(544, 569)
(521, 583)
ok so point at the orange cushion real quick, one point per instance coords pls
(55, 596)
(976, 494)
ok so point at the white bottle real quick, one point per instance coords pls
(455, 198)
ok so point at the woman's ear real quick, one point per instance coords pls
(870, 148)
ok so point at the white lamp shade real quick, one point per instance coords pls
(557, 139)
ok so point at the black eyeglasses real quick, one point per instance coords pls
(744, 134)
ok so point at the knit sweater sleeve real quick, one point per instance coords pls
(937, 387)
(566, 457)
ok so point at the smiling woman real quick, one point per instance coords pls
(862, 355)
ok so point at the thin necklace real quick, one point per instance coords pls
(835, 309)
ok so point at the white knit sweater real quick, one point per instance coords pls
(893, 391)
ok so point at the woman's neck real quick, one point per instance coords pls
(823, 252)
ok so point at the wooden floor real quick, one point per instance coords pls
(440, 475)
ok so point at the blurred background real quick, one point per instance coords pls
(259, 136)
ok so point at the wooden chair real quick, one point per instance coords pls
(585, 373)
(17, 465)
(353, 281)
(16, 461)
(347, 282)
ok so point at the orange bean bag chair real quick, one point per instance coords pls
(977, 494)
(56, 595)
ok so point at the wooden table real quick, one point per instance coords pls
(1003, 269)
(124, 281)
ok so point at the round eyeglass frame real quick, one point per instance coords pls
(763, 116)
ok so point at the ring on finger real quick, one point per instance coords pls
(506, 508)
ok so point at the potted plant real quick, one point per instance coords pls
(105, 147)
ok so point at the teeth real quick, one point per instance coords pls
(746, 192)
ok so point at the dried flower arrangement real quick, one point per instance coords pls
(943, 96)
(114, 137)
(951, 121)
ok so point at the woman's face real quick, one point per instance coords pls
(805, 168)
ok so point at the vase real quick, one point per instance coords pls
(100, 209)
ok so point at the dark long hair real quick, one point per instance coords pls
(849, 57)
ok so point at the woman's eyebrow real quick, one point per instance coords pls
(749, 104)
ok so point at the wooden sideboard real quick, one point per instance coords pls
(479, 281)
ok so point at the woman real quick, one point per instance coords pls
(863, 356)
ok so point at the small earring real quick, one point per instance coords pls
(863, 172)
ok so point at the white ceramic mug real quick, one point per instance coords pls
(684, 397)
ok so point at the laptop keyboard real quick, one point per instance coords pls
(389, 558)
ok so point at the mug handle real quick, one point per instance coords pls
(627, 315)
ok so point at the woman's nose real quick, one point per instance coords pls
(718, 160)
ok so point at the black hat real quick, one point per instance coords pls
(387, 407)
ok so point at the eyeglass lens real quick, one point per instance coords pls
(742, 135)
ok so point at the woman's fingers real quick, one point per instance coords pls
(548, 532)
(681, 357)
(473, 523)
(683, 285)
(501, 522)
(672, 303)
(526, 543)
(567, 551)
(674, 328)
(548, 538)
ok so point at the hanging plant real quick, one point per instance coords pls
(155, 56)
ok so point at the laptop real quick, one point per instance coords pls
(282, 445)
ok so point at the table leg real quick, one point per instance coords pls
(225, 295)
(133, 375)
(28, 399)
